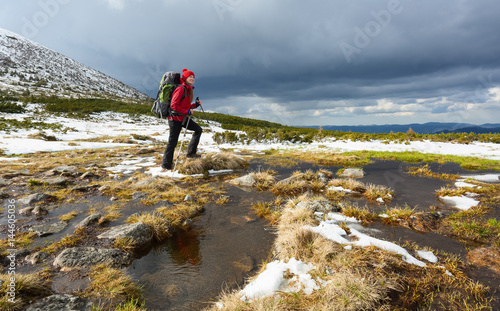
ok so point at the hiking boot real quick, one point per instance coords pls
(193, 156)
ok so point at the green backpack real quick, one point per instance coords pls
(169, 82)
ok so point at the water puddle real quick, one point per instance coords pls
(225, 245)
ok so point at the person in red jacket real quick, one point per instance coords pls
(181, 104)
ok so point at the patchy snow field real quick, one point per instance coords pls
(116, 124)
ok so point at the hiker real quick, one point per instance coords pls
(181, 117)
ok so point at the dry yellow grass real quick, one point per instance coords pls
(374, 192)
(27, 288)
(216, 162)
(110, 283)
(348, 183)
(265, 180)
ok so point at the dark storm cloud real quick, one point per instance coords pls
(321, 58)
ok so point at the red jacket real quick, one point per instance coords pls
(182, 106)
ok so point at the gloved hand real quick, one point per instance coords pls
(197, 102)
(190, 112)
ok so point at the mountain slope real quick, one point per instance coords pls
(30, 68)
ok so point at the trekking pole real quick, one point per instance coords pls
(206, 119)
(180, 149)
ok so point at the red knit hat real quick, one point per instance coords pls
(186, 73)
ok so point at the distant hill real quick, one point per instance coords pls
(425, 128)
(29, 68)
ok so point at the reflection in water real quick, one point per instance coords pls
(221, 249)
(185, 248)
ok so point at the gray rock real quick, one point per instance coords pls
(5, 182)
(104, 188)
(66, 170)
(36, 257)
(138, 233)
(291, 179)
(88, 175)
(48, 229)
(61, 303)
(39, 211)
(88, 220)
(244, 181)
(34, 198)
(26, 210)
(353, 173)
(85, 257)
(3, 194)
(56, 181)
(322, 206)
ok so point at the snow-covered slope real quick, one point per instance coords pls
(27, 66)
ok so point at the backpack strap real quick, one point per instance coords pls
(172, 111)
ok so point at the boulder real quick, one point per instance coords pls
(85, 257)
(61, 303)
(352, 173)
(88, 175)
(244, 181)
(66, 170)
(34, 198)
(56, 181)
(39, 211)
(48, 229)
(88, 220)
(139, 234)
(36, 257)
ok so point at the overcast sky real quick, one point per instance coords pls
(289, 61)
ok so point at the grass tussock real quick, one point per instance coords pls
(216, 162)
(265, 179)
(290, 187)
(378, 192)
(73, 240)
(360, 213)
(427, 172)
(397, 214)
(111, 283)
(267, 211)
(68, 217)
(165, 220)
(27, 287)
(348, 183)
(156, 220)
(22, 240)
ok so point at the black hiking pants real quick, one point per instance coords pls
(173, 138)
